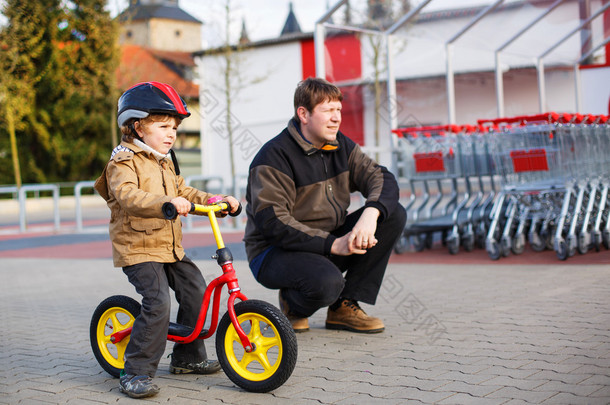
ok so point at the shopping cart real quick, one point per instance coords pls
(540, 179)
(444, 166)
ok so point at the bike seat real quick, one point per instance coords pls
(176, 329)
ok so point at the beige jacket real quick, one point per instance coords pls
(135, 184)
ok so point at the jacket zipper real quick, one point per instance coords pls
(335, 205)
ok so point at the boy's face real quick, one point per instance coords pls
(159, 134)
(322, 124)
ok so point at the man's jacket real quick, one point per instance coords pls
(135, 184)
(298, 194)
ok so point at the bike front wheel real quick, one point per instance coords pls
(112, 315)
(274, 353)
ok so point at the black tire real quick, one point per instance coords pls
(418, 242)
(402, 244)
(493, 250)
(518, 244)
(263, 323)
(112, 315)
(562, 250)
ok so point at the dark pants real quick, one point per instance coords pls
(311, 281)
(147, 342)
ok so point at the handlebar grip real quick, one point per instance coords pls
(169, 211)
(237, 211)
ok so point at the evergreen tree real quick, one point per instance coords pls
(22, 45)
(66, 134)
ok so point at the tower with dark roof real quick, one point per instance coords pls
(161, 25)
(291, 26)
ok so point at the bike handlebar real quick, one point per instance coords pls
(170, 212)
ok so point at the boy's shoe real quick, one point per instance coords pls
(205, 367)
(137, 386)
(298, 324)
(349, 316)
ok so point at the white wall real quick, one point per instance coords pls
(595, 85)
(260, 109)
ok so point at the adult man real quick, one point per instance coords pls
(299, 238)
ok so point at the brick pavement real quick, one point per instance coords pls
(476, 332)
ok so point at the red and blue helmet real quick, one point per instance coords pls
(147, 98)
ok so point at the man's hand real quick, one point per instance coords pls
(360, 238)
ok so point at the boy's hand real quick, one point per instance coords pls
(233, 203)
(183, 206)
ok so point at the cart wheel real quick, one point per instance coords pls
(480, 234)
(402, 244)
(572, 244)
(112, 315)
(547, 238)
(468, 241)
(597, 240)
(582, 246)
(536, 242)
(453, 243)
(518, 245)
(275, 347)
(418, 242)
(606, 239)
(562, 250)
(493, 250)
(429, 240)
(505, 246)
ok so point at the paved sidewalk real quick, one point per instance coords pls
(489, 333)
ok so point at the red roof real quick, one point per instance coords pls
(139, 64)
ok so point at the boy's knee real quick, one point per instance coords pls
(159, 306)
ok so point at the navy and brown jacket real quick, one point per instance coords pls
(298, 194)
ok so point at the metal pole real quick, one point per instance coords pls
(499, 86)
(577, 86)
(541, 86)
(450, 83)
(499, 73)
(575, 30)
(540, 63)
(449, 51)
(319, 51)
(577, 78)
(407, 17)
(319, 37)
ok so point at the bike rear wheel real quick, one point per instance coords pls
(112, 315)
(274, 356)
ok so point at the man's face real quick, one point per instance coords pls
(322, 124)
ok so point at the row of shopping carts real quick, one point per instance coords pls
(541, 180)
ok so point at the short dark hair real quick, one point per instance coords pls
(313, 91)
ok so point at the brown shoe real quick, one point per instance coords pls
(349, 316)
(298, 324)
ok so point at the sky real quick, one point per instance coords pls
(265, 18)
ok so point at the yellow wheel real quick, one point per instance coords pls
(274, 356)
(114, 314)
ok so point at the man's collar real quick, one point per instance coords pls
(294, 128)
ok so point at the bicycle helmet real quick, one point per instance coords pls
(147, 98)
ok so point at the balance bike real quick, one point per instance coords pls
(255, 343)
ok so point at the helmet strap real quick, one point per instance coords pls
(134, 132)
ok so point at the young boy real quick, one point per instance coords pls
(139, 178)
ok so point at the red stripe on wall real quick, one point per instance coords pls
(308, 59)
